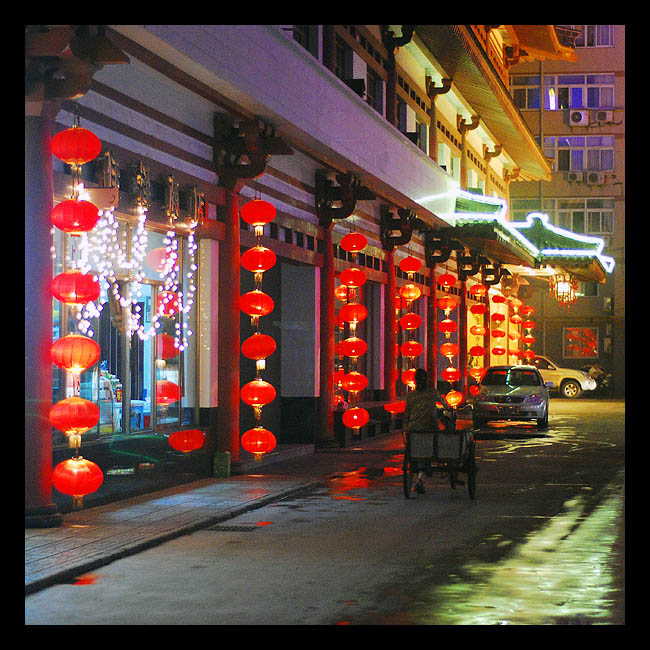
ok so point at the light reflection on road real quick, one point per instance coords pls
(561, 574)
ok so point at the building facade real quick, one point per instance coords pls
(405, 134)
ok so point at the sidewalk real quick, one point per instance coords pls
(91, 538)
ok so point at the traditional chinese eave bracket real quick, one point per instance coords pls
(347, 193)
(469, 263)
(433, 91)
(511, 174)
(464, 126)
(392, 42)
(243, 148)
(390, 225)
(438, 244)
(492, 272)
(495, 153)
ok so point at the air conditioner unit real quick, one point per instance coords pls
(595, 178)
(597, 117)
(575, 177)
(579, 118)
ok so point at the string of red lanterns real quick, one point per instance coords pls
(258, 347)
(409, 321)
(448, 349)
(477, 351)
(528, 325)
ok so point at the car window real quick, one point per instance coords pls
(495, 378)
(511, 377)
(543, 364)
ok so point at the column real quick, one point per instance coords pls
(390, 356)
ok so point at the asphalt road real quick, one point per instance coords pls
(541, 544)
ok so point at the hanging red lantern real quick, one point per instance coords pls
(408, 377)
(477, 373)
(353, 312)
(478, 290)
(528, 310)
(515, 353)
(528, 324)
(409, 292)
(258, 441)
(451, 374)
(353, 347)
(478, 309)
(477, 351)
(258, 346)
(258, 259)
(446, 280)
(515, 319)
(353, 277)
(74, 415)
(256, 303)
(498, 298)
(528, 354)
(474, 390)
(498, 334)
(447, 326)
(498, 351)
(410, 265)
(75, 217)
(449, 350)
(354, 382)
(77, 477)
(497, 317)
(356, 417)
(354, 242)
(341, 292)
(395, 407)
(75, 288)
(411, 349)
(75, 353)
(410, 321)
(454, 398)
(166, 347)
(187, 440)
(515, 303)
(529, 339)
(447, 303)
(76, 146)
(258, 213)
(477, 330)
(338, 377)
(257, 393)
(167, 303)
(167, 392)
(514, 335)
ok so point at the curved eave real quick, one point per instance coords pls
(540, 42)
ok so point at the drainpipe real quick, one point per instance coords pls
(390, 341)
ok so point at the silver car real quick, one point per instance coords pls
(512, 393)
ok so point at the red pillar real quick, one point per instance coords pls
(390, 356)
(324, 435)
(228, 333)
(40, 512)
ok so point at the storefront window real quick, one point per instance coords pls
(580, 343)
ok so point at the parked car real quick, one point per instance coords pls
(569, 382)
(511, 393)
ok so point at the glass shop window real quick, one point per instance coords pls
(580, 343)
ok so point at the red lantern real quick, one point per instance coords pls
(446, 280)
(167, 392)
(353, 312)
(498, 298)
(498, 351)
(356, 417)
(76, 146)
(477, 351)
(75, 288)
(258, 346)
(341, 292)
(408, 377)
(75, 217)
(477, 330)
(528, 354)
(528, 324)
(166, 347)
(186, 441)
(257, 393)
(515, 352)
(74, 415)
(477, 373)
(478, 290)
(410, 321)
(515, 303)
(447, 326)
(447, 303)
(514, 336)
(410, 265)
(497, 334)
(528, 339)
(396, 407)
(338, 377)
(474, 390)
(449, 350)
(353, 277)
(409, 292)
(258, 441)
(451, 374)
(354, 242)
(454, 398)
(258, 259)
(353, 347)
(478, 309)
(75, 353)
(354, 382)
(77, 477)
(497, 317)
(167, 303)
(256, 303)
(528, 310)
(258, 213)
(515, 319)
(411, 349)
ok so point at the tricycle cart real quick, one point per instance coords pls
(447, 451)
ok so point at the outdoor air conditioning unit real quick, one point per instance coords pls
(579, 118)
(575, 177)
(595, 178)
(597, 117)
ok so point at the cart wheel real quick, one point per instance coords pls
(408, 470)
(471, 472)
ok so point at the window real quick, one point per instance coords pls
(594, 35)
(526, 91)
(594, 217)
(580, 153)
(580, 343)
(563, 92)
(375, 91)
